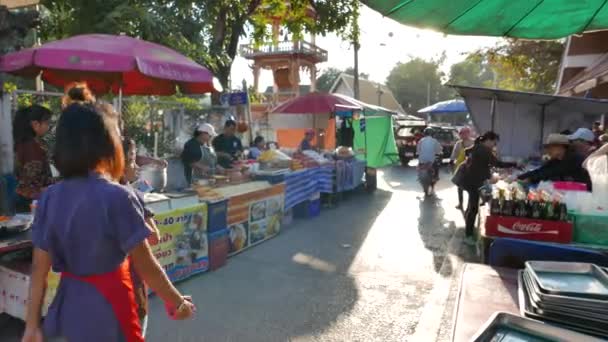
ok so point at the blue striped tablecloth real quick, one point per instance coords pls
(303, 184)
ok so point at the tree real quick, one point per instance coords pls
(329, 76)
(411, 82)
(15, 28)
(473, 71)
(351, 71)
(207, 31)
(327, 79)
(525, 65)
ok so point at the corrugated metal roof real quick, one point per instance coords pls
(577, 104)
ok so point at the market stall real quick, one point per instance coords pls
(523, 120)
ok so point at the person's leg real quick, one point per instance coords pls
(460, 197)
(471, 213)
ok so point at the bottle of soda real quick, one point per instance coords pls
(563, 212)
(549, 211)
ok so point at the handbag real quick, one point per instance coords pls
(458, 178)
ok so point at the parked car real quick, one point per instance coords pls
(407, 138)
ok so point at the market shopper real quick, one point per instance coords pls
(428, 150)
(33, 168)
(257, 148)
(92, 231)
(227, 145)
(563, 165)
(198, 155)
(476, 171)
(459, 156)
(307, 143)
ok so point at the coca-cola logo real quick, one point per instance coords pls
(527, 227)
(519, 228)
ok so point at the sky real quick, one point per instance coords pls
(384, 43)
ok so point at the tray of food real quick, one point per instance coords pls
(572, 279)
(505, 327)
(15, 224)
(580, 325)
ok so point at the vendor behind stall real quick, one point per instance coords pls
(306, 143)
(32, 166)
(198, 155)
(227, 145)
(563, 165)
(582, 142)
(257, 148)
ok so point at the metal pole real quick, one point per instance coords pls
(428, 94)
(542, 125)
(493, 112)
(356, 71)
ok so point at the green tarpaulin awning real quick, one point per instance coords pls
(532, 19)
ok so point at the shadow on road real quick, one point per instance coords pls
(436, 232)
(296, 284)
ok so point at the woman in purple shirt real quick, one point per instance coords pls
(92, 230)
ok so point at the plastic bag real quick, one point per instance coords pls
(597, 165)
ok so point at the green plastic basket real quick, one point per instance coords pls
(590, 229)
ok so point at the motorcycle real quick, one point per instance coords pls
(428, 175)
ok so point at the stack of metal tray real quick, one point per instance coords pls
(505, 327)
(571, 295)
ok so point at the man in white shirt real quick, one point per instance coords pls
(428, 148)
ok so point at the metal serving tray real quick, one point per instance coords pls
(576, 302)
(527, 310)
(542, 309)
(570, 279)
(573, 309)
(505, 327)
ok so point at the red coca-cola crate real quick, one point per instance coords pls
(528, 229)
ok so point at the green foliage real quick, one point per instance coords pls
(411, 81)
(473, 71)
(524, 65)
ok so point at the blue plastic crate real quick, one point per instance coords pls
(307, 209)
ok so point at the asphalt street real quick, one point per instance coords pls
(379, 267)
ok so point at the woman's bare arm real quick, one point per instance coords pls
(41, 265)
(152, 273)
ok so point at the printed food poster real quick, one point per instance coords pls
(239, 237)
(265, 219)
(183, 247)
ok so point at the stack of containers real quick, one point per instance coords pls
(218, 233)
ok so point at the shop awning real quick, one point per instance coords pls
(533, 19)
(523, 119)
(450, 106)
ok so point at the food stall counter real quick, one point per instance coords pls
(483, 290)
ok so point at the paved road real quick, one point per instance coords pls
(380, 267)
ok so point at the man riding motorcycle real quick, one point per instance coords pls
(428, 150)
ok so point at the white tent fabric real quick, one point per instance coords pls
(523, 120)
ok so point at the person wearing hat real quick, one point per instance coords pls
(198, 155)
(582, 142)
(563, 164)
(306, 143)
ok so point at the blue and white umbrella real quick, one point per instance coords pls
(450, 106)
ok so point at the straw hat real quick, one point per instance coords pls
(557, 139)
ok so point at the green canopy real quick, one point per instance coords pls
(379, 143)
(532, 19)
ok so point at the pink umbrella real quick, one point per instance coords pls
(111, 64)
(315, 103)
